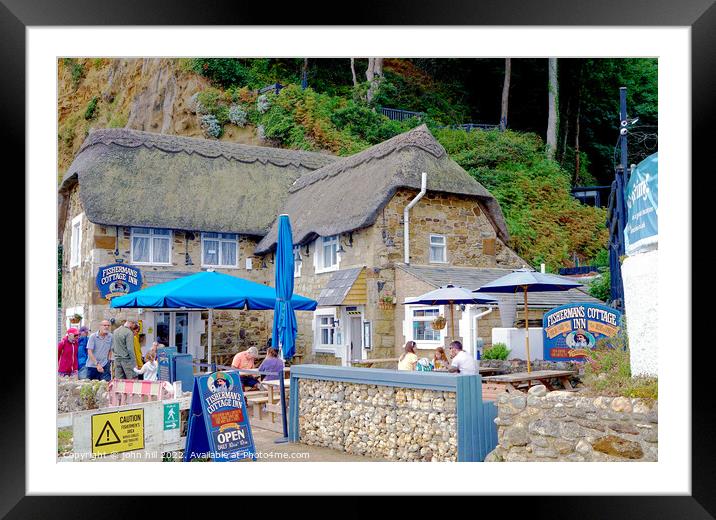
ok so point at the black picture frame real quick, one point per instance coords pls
(699, 15)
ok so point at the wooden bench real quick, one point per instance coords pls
(257, 405)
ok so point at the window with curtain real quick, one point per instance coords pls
(151, 246)
(438, 249)
(219, 249)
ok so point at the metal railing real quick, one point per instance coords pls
(582, 269)
(395, 114)
(275, 87)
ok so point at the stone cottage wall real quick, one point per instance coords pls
(562, 426)
(399, 424)
(233, 330)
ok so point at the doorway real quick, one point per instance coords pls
(356, 340)
(172, 329)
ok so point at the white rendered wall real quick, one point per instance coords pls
(639, 273)
(514, 338)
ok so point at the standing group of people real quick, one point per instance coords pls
(92, 356)
(459, 360)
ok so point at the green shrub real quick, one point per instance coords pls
(608, 371)
(91, 108)
(496, 351)
(601, 286)
(77, 71)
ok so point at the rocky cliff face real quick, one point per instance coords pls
(150, 94)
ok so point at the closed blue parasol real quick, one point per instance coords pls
(284, 319)
(526, 280)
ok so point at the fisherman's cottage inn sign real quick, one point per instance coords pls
(571, 331)
(118, 280)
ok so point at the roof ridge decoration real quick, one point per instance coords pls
(205, 148)
(419, 137)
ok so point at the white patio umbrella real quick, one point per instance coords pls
(526, 280)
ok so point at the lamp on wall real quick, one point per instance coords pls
(341, 250)
(307, 249)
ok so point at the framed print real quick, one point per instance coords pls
(36, 35)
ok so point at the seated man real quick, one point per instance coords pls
(462, 362)
(245, 361)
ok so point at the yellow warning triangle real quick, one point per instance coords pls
(107, 436)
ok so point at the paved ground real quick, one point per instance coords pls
(288, 452)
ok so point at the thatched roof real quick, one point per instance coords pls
(133, 178)
(348, 194)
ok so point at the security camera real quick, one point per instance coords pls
(623, 131)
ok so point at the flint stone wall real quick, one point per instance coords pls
(562, 426)
(393, 423)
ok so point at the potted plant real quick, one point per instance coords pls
(75, 318)
(438, 323)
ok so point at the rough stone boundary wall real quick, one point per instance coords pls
(562, 426)
(393, 423)
(70, 397)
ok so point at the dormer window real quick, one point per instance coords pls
(327, 257)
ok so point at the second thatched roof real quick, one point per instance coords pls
(348, 194)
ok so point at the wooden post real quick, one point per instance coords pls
(452, 323)
(208, 338)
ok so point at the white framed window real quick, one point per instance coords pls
(326, 257)
(327, 334)
(219, 250)
(151, 246)
(296, 263)
(76, 242)
(438, 249)
(418, 325)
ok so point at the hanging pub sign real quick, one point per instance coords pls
(641, 232)
(572, 330)
(219, 428)
(118, 280)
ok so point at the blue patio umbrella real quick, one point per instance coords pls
(209, 290)
(449, 295)
(284, 318)
(526, 280)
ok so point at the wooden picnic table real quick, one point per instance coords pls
(490, 370)
(371, 362)
(512, 382)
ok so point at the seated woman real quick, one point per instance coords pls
(272, 365)
(409, 358)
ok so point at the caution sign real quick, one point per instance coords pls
(117, 432)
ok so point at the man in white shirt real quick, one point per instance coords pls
(462, 362)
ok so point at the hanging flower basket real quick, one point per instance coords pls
(438, 323)
(386, 302)
(75, 318)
